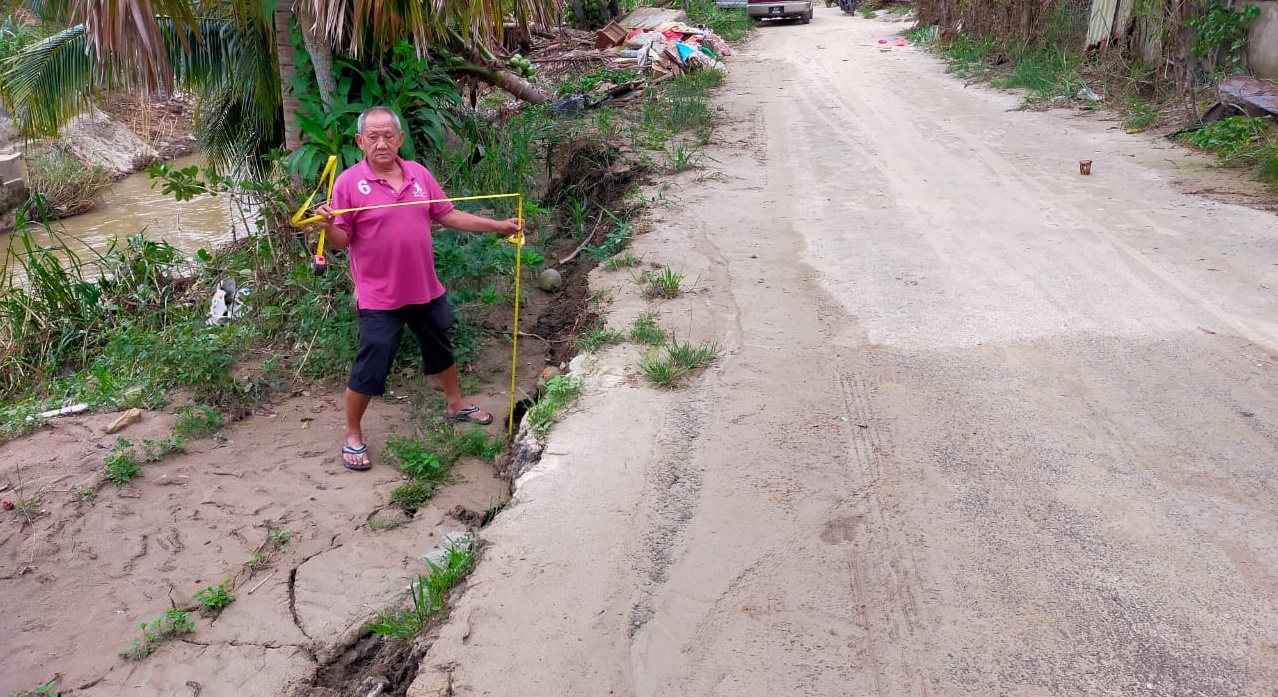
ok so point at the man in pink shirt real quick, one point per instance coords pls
(393, 266)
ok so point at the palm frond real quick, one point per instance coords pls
(358, 26)
(51, 81)
(126, 37)
(231, 68)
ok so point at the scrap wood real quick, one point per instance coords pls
(651, 18)
(609, 36)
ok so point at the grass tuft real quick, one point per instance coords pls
(690, 356)
(660, 370)
(429, 594)
(597, 338)
(664, 282)
(674, 363)
(625, 260)
(63, 186)
(645, 330)
(413, 494)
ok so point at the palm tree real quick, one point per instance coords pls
(237, 57)
(466, 28)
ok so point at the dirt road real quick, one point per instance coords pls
(982, 426)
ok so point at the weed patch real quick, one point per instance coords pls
(730, 23)
(588, 82)
(1231, 138)
(662, 371)
(682, 157)
(413, 494)
(692, 356)
(597, 338)
(429, 594)
(122, 464)
(660, 283)
(277, 538)
(674, 363)
(61, 185)
(645, 330)
(625, 260)
(561, 393)
(198, 421)
(1139, 115)
(1267, 167)
(415, 459)
(214, 599)
(172, 624)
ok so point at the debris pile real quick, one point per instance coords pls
(655, 42)
(661, 43)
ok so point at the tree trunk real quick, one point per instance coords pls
(284, 55)
(515, 85)
(320, 52)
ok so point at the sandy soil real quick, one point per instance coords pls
(982, 426)
(78, 577)
(76, 584)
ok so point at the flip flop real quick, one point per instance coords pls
(348, 450)
(467, 413)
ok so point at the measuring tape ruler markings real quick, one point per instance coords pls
(320, 263)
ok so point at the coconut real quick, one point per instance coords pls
(550, 281)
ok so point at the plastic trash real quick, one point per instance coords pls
(227, 302)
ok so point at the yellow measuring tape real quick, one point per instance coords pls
(329, 176)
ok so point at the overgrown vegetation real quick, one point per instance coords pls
(1220, 35)
(61, 185)
(1241, 141)
(129, 326)
(429, 593)
(730, 23)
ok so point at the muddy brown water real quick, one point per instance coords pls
(131, 206)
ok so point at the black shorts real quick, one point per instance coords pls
(380, 332)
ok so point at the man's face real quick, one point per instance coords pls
(381, 138)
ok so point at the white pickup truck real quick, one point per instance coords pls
(779, 9)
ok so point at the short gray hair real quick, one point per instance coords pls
(359, 124)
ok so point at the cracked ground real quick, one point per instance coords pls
(78, 579)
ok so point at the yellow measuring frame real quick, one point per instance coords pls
(329, 175)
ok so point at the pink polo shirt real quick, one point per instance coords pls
(392, 257)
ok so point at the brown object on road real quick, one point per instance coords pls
(125, 420)
(1084, 167)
